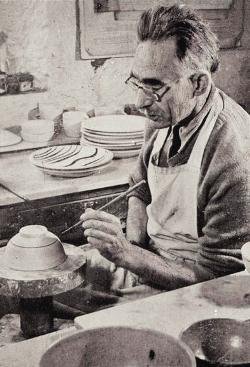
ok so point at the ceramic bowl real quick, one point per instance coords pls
(72, 121)
(37, 130)
(245, 251)
(34, 248)
(219, 342)
(118, 346)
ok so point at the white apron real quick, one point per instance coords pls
(172, 214)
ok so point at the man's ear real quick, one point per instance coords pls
(200, 83)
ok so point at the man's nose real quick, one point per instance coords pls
(143, 100)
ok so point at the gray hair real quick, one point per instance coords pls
(195, 42)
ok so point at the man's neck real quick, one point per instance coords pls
(200, 103)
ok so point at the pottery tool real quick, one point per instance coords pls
(118, 198)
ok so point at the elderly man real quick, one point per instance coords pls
(188, 222)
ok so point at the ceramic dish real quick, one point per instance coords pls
(70, 157)
(37, 131)
(71, 160)
(37, 138)
(74, 174)
(118, 347)
(126, 154)
(116, 124)
(104, 161)
(128, 142)
(118, 135)
(133, 145)
(72, 121)
(34, 248)
(219, 342)
(113, 137)
(119, 152)
(37, 127)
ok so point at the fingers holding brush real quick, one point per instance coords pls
(106, 216)
(101, 223)
(104, 232)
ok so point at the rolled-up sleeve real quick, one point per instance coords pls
(224, 211)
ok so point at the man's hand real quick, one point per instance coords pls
(104, 232)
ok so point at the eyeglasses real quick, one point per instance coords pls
(155, 93)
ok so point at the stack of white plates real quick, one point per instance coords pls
(71, 160)
(122, 134)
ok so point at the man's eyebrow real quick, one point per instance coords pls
(148, 81)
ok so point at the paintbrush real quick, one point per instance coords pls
(13, 192)
(118, 198)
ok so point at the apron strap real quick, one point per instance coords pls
(197, 153)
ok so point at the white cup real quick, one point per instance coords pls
(72, 121)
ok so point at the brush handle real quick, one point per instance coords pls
(118, 198)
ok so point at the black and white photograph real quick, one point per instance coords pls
(124, 183)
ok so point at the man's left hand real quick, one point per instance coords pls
(104, 232)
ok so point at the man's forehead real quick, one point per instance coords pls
(156, 60)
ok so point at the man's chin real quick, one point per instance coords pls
(158, 122)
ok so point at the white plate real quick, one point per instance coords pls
(116, 124)
(112, 139)
(123, 153)
(73, 174)
(111, 135)
(8, 138)
(70, 157)
(126, 154)
(104, 161)
(132, 145)
(113, 148)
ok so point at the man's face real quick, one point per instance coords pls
(156, 65)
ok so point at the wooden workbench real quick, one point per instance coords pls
(53, 201)
(168, 312)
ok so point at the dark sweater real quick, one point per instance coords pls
(223, 191)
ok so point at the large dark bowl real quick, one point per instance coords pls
(219, 342)
(118, 347)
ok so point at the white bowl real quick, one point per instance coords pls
(38, 127)
(37, 138)
(72, 121)
(37, 130)
(118, 347)
(34, 248)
